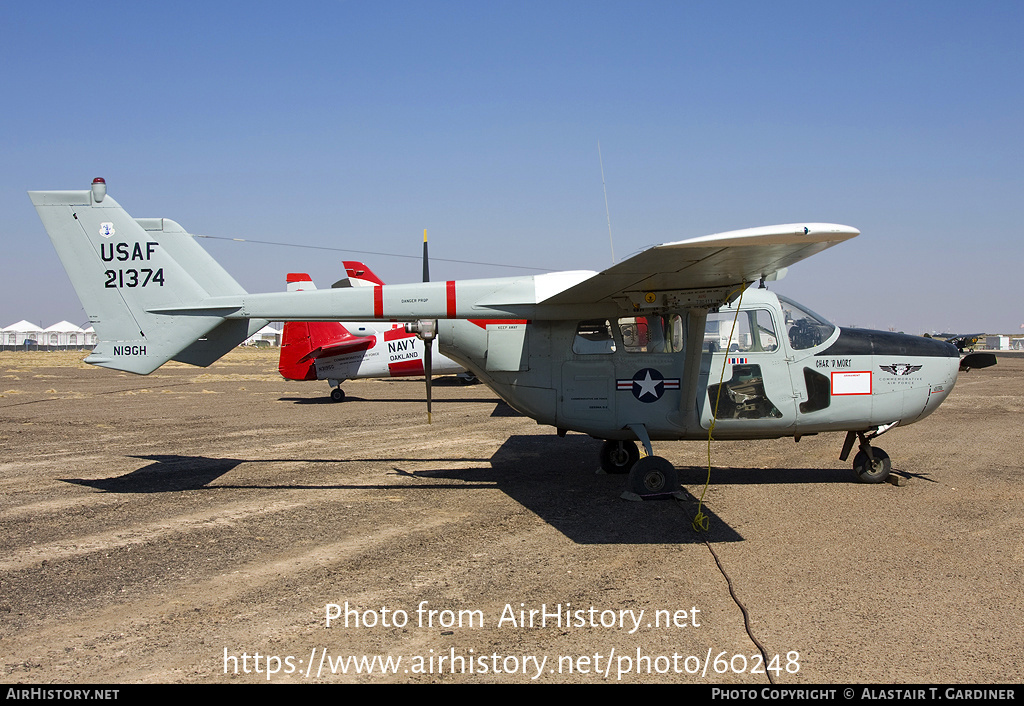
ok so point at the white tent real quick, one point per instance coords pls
(266, 336)
(16, 334)
(63, 333)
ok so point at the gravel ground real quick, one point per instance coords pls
(170, 528)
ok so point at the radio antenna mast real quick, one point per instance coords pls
(606, 212)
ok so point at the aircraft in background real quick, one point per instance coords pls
(963, 341)
(335, 351)
(619, 354)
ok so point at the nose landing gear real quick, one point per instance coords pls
(870, 465)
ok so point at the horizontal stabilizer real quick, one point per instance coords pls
(352, 345)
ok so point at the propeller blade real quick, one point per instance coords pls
(428, 342)
(426, 262)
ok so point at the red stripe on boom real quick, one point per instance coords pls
(451, 298)
(378, 302)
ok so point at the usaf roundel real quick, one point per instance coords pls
(648, 385)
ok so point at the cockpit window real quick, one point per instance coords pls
(754, 332)
(653, 334)
(593, 336)
(804, 328)
(642, 334)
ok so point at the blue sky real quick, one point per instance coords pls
(357, 125)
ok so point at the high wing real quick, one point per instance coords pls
(709, 262)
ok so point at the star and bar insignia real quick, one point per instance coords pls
(647, 385)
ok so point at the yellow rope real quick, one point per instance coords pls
(700, 520)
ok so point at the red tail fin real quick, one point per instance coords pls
(295, 344)
(357, 270)
(298, 281)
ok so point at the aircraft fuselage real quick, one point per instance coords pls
(774, 370)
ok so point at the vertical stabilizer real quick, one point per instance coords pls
(360, 275)
(121, 271)
(295, 346)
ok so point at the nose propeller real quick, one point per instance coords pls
(426, 329)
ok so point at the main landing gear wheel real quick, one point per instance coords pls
(653, 475)
(337, 394)
(868, 471)
(619, 456)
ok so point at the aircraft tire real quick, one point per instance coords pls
(868, 472)
(617, 462)
(337, 394)
(653, 475)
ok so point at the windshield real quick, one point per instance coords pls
(805, 328)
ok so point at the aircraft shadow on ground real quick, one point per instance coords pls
(558, 480)
(451, 381)
(352, 399)
(171, 473)
(501, 409)
(727, 475)
(554, 478)
(167, 474)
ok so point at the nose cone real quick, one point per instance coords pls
(941, 380)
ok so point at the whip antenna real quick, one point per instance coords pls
(606, 212)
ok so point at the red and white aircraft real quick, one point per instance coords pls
(334, 351)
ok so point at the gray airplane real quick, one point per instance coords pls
(669, 344)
